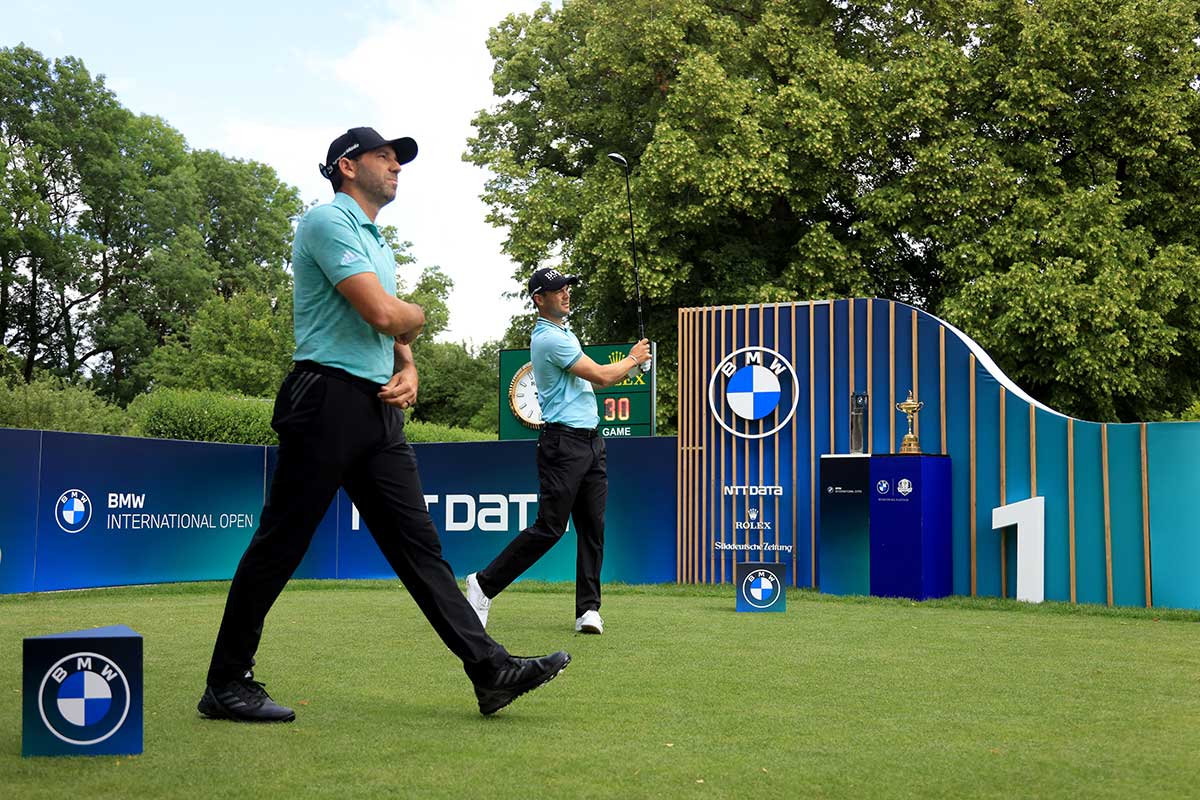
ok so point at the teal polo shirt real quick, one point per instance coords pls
(565, 398)
(333, 242)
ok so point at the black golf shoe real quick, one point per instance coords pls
(242, 700)
(516, 677)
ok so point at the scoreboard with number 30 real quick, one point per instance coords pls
(626, 409)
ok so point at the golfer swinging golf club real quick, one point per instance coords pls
(571, 460)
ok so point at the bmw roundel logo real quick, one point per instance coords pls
(883, 487)
(73, 511)
(760, 588)
(753, 384)
(752, 392)
(84, 698)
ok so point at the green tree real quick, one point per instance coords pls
(246, 221)
(458, 384)
(981, 159)
(113, 233)
(240, 345)
(56, 125)
(430, 292)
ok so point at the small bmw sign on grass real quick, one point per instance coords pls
(760, 586)
(83, 693)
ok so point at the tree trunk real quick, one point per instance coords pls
(31, 325)
(68, 332)
(6, 268)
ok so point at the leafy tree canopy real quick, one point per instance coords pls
(1026, 170)
(112, 231)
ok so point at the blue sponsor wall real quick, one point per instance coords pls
(79, 511)
(1121, 500)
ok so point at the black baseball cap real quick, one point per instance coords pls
(549, 279)
(357, 141)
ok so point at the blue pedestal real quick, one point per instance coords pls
(910, 526)
(82, 693)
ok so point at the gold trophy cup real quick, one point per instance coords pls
(910, 407)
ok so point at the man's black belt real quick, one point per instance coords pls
(586, 433)
(362, 384)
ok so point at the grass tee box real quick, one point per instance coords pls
(975, 698)
(82, 693)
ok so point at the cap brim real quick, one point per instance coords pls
(554, 286)
(406, 149)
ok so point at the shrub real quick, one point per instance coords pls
(418, 431)
(203, 417)
(54, 405)
(216, 417)
(1191, 413)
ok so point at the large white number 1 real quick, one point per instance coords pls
(1030, 518)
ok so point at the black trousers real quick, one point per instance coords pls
(573, 480)
(334, 432)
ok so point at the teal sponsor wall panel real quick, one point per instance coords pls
(804, 555)
(1090, 580)
(841, 377)
(987, 482)
(1052, 485)
(20, 458)
(820, 391)
(722, 322)
(903, 375)
(821, 428)
(189, 509)
(1173, 449)
(881, 407)
(1016, 477)
(1125, 509)
(929, 375)
(861, 334)
(958, 435)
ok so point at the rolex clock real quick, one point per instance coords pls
(626, 408)
(523, 399)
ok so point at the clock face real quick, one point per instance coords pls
(523, 399)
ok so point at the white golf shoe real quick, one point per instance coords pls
(590, 622)
(479, 601)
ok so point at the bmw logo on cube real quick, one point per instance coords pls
(83, 693)
(760, 586)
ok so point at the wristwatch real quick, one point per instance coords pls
(523, 399)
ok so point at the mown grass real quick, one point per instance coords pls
(681, 697)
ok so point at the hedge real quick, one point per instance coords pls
(215, 417)
(202, 417)
(51, 404)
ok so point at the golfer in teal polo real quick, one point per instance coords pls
(340, 420)
(572, 460)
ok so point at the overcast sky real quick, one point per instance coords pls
(277, 81)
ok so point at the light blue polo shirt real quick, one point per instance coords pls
(565, 398)
(333, 242)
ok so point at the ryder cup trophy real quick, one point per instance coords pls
(910, 444)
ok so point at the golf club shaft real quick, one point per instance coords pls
(637, 286)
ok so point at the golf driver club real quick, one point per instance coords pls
(617, 158)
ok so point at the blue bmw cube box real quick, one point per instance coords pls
(82, 693)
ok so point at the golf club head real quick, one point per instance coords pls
(619, 159)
